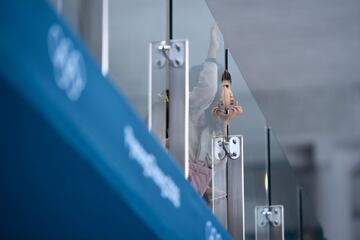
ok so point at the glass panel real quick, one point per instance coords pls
(281, 171)
(250, 124)
(132, 26)
(283, 180)
(85, 18)
(309, 227)
(193, 21)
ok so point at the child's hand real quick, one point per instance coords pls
(214, 41)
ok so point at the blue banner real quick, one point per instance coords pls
(76, 161)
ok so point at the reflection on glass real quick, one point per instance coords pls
(201, 124)
(132, 26)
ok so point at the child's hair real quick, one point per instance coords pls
(226, 76)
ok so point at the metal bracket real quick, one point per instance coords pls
(269, 215)
(227, 185)
(227, 148)
(174, 53)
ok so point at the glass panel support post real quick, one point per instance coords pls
(269, 222)
(169, 97)
(227, 198)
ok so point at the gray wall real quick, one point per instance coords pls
(301, 60)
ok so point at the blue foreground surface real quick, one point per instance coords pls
(76, 162)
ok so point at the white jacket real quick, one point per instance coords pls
(201, 97)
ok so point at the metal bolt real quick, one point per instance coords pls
(276, 222)
(163, 46)
(234, 141)
(177, 61)
(266, 212)
(177, 47)
(159, 63)
(276, 211)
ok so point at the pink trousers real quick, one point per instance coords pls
(200, 177)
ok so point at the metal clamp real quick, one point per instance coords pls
(174, 53)
(272, 215)
(227, 148)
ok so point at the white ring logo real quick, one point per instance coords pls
(69, 67)
(211, 232)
